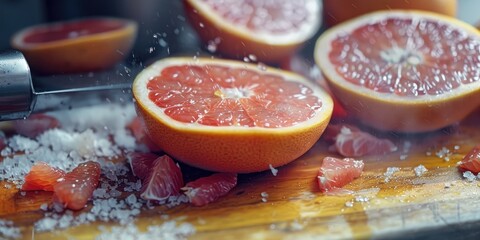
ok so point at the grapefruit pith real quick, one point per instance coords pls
(268, 30)
(404, 71)
(230, 116)
(79, 45)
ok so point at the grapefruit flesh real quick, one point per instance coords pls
(356, 143)
(229, 116)
(74, 190)
(163, 180)
(79, 45)
(208, 189)
(35, 125)
(42, 177)
(141, 163)
(336, 173)
(268, 30)
(406, 71)
(471, 161)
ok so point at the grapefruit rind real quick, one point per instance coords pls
(228, 148)
(238, 41)
(387, 111)
(81, 54)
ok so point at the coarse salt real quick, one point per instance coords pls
(273, 170)
(389, 173)
(420, 170)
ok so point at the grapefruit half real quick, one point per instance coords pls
(404, 71)
(80, 45)
(230, 116)
(268, 30)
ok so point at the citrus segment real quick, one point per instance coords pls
(336, 173)
(74, 190)
(356, 143)
(471, 161)
(74, 46)
(141, 163)
(163, 180)
(407, 71)
(35, 125)
(42, 177)
(208, 189)
(265, 30)
(230, 116)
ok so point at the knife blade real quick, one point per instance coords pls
(21, 93)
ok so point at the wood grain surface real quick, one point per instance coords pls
(438, 202)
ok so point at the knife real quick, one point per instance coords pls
(20, 94)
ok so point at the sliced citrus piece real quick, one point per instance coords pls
(267, 30)
(357, 143)
(42, 177)
(471, 161)
(336, 173)
(74, 190)
(405, 71)
(229, 116)
(141, 163)
(208, 189)
(35, 125)
(336, 11)
(164, 180)
(79, 45)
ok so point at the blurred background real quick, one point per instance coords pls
(156, 18)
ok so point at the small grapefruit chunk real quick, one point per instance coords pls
(141, 163)
(35, 125)
(336, 173)
(357, 143)
(78, 185)
(164, 180)
(208, 189)
(42, 177)
(471, 161)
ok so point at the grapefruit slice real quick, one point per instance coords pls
(164, 180)
(79, 45)
(471, 161)
(336, 173)
(404, 71)
(230, 116)
(268, 30)
(42, 177)
(141, 163)
(74, 190)
(35, 125)
(208, 189)
(357, 143)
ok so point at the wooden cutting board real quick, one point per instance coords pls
(438, 203)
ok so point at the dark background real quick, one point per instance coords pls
(153, 17)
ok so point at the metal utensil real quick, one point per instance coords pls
(19, 93)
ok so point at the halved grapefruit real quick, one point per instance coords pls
(405, 71)
(268, 30)
(79, 45)
(230, 116)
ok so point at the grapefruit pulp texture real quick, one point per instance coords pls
(336, 11)
(405, 71)
(268, 30)
(80, 45)
(230, 116)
